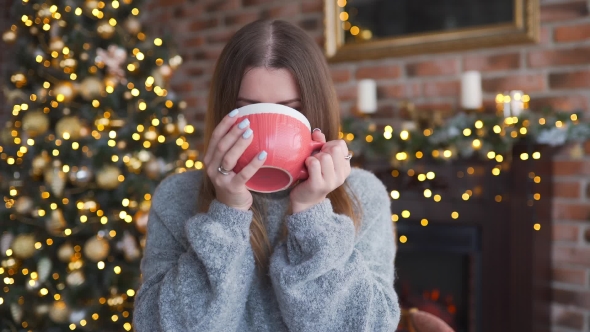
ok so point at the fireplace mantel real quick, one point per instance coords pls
(513, 292)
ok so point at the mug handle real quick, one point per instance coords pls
(315, 147)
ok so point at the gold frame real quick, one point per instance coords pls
(524, 29)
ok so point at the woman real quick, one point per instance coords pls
(316, 257)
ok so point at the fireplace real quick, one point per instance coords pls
(474, 239)
(439, 272)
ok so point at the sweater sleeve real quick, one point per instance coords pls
(326, 280)
(201, 285)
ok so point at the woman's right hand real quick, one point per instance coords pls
(228, 143)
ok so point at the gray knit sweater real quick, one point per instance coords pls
(199, 272)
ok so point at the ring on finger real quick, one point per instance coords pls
(223, 171)
(349, 156)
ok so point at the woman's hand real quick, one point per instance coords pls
(327, 170)
(228, 143)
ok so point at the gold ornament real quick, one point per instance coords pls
(44, 12)
(166, 72)
(141, 221)
(59, 312)
(41, 94)
(56, 179)
(65, 252)
(158, 77)
(23, 205)
(19, 80)
(44, 268)
(76, 278)
(24, 246)
(129, 247)
(181, 121)
(91, 88)
(81, 177)
(17, 312)
(108, 177)
(69, 126)
(96, 249)
(56, 44)
(105, 30)
(134, 165)
(9, 37)
(175, 62)
(42, 309)
(170, 129)
(90, 5)
(151, 134)
(35, 123)
(113, 58)
(132, 25)
(111, 81)
(40, 162)
(153, 169)
(66, 90)
(57, 223)
(12, 96)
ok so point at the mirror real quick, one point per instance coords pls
(370, 29)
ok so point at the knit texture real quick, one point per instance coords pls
(199, 273)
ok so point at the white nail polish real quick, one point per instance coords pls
(233, 113)
(244, 124)
(248, 133)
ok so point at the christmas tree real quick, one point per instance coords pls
(92, 132)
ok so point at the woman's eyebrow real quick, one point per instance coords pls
(250, 101)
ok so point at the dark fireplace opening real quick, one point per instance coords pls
(439, 271)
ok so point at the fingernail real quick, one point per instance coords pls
(233, 113)
(248, 133)
(244, 124)
(316, 129)
(262, 155)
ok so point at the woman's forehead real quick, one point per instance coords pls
(269, 85)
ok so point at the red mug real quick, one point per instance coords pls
(285, 134)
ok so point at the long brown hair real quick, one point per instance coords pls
(278, 45)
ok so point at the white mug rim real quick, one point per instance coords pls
(270, 108)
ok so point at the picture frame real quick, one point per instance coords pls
(524, 28)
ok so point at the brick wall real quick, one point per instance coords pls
(555, 72)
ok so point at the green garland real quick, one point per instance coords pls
(463, 136)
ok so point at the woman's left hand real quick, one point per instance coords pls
(328, 169)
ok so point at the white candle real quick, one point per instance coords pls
(507, 109)
(471, 94)
(516, 104)
(367, 96)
